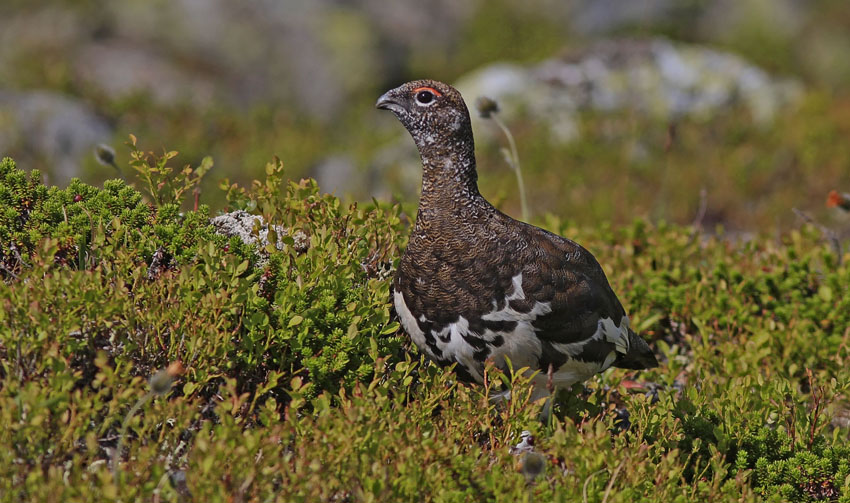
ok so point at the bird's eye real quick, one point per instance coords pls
(424, 97)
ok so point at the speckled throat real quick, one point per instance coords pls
(449, 185)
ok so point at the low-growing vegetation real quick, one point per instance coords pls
(295, 383)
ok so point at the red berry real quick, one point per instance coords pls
(78, 198)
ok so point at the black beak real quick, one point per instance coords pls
(387, 102)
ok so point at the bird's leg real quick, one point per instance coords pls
(549, 406)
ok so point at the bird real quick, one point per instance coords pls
(475, 284)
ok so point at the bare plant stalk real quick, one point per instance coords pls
(116, 454)
(105, 155)
(513, 162)
(611, 482)
(703, 206)
(817, 392)
(159, 385)
(696, 226)
(587, 482)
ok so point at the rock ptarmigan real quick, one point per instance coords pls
(475, 284)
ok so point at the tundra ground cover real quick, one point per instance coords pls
(299, 387)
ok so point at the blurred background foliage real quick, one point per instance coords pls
(243, 82)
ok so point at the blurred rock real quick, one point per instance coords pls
(320, 60)
(114, 69)
(604, 16)
(313, 56)
(242, 224)
(252, 229)
(525, 445)
(45, 30)
(59, 129)
(308, 55)
(655, 78)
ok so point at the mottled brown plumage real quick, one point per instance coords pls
(474, 283)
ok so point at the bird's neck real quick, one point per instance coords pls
(449, 181)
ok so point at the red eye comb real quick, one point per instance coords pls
(429, 89)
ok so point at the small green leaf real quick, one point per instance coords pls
(390, 329)
(648, 322)
(295, 321)
(189, 388)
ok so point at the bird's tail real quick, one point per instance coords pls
(640, 355)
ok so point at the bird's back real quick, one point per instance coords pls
(487, 286)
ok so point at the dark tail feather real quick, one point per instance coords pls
(639, 357)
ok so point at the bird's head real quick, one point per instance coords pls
(432, 112)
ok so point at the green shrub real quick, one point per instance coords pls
(318, 312)
(792, 472)
(297, 386)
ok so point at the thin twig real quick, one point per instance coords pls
(117, 169)
(159, 486)
(671, 137)
(116, 454)
(696, 225)
(9, 272)
(587, 482)
(513, 161)
(817, 392)
(197, 193)
(703, 206)
(17, 255)
(611, 482)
